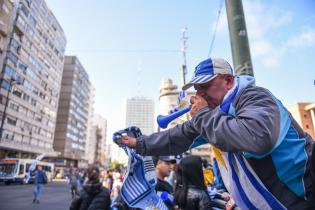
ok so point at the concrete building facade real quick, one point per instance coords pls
(73, 114)
(31, 74)
(97, 146)
(304, 114)
(140, 113)
(7, 15)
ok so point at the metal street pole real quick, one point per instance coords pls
(184, 51)
(12, 82)
(238, 37)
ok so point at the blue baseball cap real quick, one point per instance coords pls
(207, 70)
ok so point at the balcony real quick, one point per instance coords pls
(19, 29)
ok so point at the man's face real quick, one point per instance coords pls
(164, 168)
(214, 91)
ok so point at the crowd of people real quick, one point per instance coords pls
(184, 183)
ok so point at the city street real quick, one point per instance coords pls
(56, 196)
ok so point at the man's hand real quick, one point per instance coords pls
(128, 141)
(197, 103)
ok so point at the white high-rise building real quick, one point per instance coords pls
(140, 113)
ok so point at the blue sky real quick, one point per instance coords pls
(114, 39)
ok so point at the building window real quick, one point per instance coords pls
(17, 92)
(14, 106)
(9, 136)
(307, 127)
(12, 58)
(24, 9)
(33, 101)
(5, 84)
(26, 97)
(8, 71)
(38, 118)
(32, 20)
(14, 44)
(30, 31)
(22, 66)
(11, 121)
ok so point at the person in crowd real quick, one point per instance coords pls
(117, 183)
(74, 183)
(108, 179)
(163, 168)
(93, 196)
(40, 180)
(190, 191)
(253, 130)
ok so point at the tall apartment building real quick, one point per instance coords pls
(73, 114)
(140, 113)
(7, 11)
(90, 138)
(97, 146)
(31, 72)
(304, 114)
(167, 102)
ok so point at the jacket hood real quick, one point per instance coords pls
(244, 81)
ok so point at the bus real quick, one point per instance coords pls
(14, 170)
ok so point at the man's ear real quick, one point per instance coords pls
(229, 81)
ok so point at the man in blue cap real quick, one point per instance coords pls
(264, 155)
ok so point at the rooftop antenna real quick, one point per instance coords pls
(139, 77)
(184, 50)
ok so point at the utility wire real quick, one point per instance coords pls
(215, 28)
(123, 51)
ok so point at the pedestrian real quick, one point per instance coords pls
(108, 180)
(74, 183)
(40, 180)
(265, 161)
(190, 191)
(163, 171)
(93, 196)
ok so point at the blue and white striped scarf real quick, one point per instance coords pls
(138, 189)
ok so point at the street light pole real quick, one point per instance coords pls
(12, 82)
(239, 38)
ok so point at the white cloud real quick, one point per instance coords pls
(305, 39)
(263, 23)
